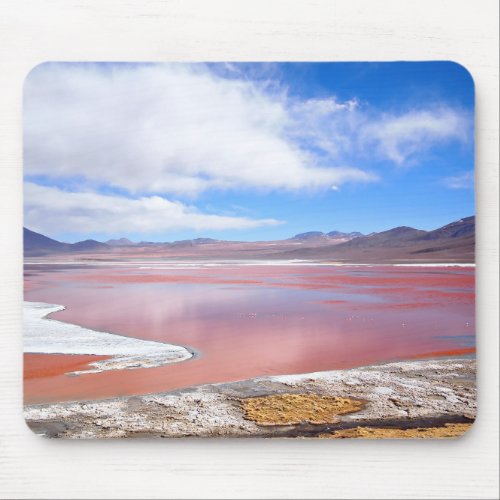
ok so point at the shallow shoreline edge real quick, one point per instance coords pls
(398, 395)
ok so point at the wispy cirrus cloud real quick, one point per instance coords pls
(349, 129)
(403, 137)
(461, 181)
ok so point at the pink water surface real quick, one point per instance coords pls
(247, 321)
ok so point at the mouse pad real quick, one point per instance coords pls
(233, 249)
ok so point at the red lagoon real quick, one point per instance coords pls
(245, 321)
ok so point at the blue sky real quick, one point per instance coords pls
(161, 152)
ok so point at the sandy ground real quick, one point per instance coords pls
(424, 398)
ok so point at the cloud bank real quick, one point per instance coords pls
(172, 129)
(48, 208)
(158, 133)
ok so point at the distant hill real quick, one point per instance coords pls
(454, 242)
(462, 227)
(125, 242)
(308, 236)
(36, 244)
(87, 246)
(121, 242)
(332, 235)
(194, 242)
(397, 237)
(338, 234)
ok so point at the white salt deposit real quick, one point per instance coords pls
(48, 336)
(443, 264)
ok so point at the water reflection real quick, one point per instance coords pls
(254, 321)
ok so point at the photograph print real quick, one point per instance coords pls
(272, 250)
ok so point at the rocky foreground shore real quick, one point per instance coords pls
(410, 399)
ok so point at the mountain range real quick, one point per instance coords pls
(453, 242)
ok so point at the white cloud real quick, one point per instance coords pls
(462, 181)
(167, 129)
(183, 129)
(163, 131)
(348, 129)
(401, 138)
(48, 209)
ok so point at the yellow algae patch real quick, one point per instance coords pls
(289, 409)
(446, 432)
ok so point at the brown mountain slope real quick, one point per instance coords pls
(453, 242)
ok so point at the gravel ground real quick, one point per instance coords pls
(401, 395)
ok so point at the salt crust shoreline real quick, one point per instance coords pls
(198, 263)
(48, 336)
(402, 395)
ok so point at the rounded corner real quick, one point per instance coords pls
(32, 430)
(32, 70)
(465, 71)
(467, 431)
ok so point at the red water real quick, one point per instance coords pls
(247, 321)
